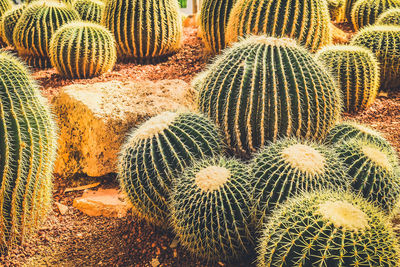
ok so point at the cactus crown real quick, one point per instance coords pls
(304, 158)
(377, 156)
(154, 125)
(390, 17)
(90, 10)
(212, 178)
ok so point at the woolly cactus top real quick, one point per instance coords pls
(155, 125)
(212, 178)
(377, 156)
(305, 158)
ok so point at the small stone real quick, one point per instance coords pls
(174, 243)
(155, 262)
(61, 208)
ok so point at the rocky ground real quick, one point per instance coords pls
(75, 239)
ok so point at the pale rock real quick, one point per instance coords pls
(61, 208)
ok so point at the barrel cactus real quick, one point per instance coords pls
(357, 72)
(27, 152)
(36, 26)
(8, 22)
(348, 6)
(90, 10)
(214, 17)
(144, 30)
(82, 50)
(211, 208)
(328, 229)
(374, 170)
(336, 9)
(264, 88)
(156, 152)
(366, 12)
(384, 41)
(390, 17)
(288, 167)
(274, 18)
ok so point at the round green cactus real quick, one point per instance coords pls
(274, 18)
(328, 229)
(27, 152)
(90, 10)
(214, 17)
(366, 12)
(36, 26)
(8, 22)
(374, 170)
(144, 30)
(264, 88)
(82, 50)
(390, 17)
(357, 72)
(384, 41)
(288, 167)
(156, 152)
(211, 209)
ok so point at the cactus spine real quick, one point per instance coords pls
(90, 10)
(384, 41)
(288, 167)
(264, 88)
(36, 26)
(366, 12)
(156, 152)
(328, 229)
(389, 17)
(357, 71)
(144, 30)
(82, 50)
(27, 152)
(214, 17)
(8, 22)
(274, 18)
(211, 209)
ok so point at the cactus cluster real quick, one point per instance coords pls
(82, 50)
(390, 17)
(35, 28)
(89, 10)
(144, 30)
(211, 208)
(156, 152)
(328, 229)
(288, 167)
(264, 88)
(214, 17)
(384, 41)
(8, 22)
(366, 12)
(357, 72)
(307, 22)
(27, 152)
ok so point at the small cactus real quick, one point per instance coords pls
(328, 229)
(36, 26)
(8, 22)
(156, 152)
(27, 153)
(384, 41)
(82, 50)
(144, 30)
(357, 72)
(264, 88)
(211, 208)
(275, 18)
(288, 167)
(90, 10)
(389, 17)
(214, 17)
(375, 171)
(336, 9)
(366, 12)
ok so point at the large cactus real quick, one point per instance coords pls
(307, 22)
(82, 50)
(289, 167)
(214, 17)
(8, 22)
(328, 229)
(384, 41)
(156, 152)
(390, 17)
(27, 152)
(211, 209)
(36, 26)
(264, 88)
(90, 10)
(144, 30)
(357, 71)
(366, 12)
